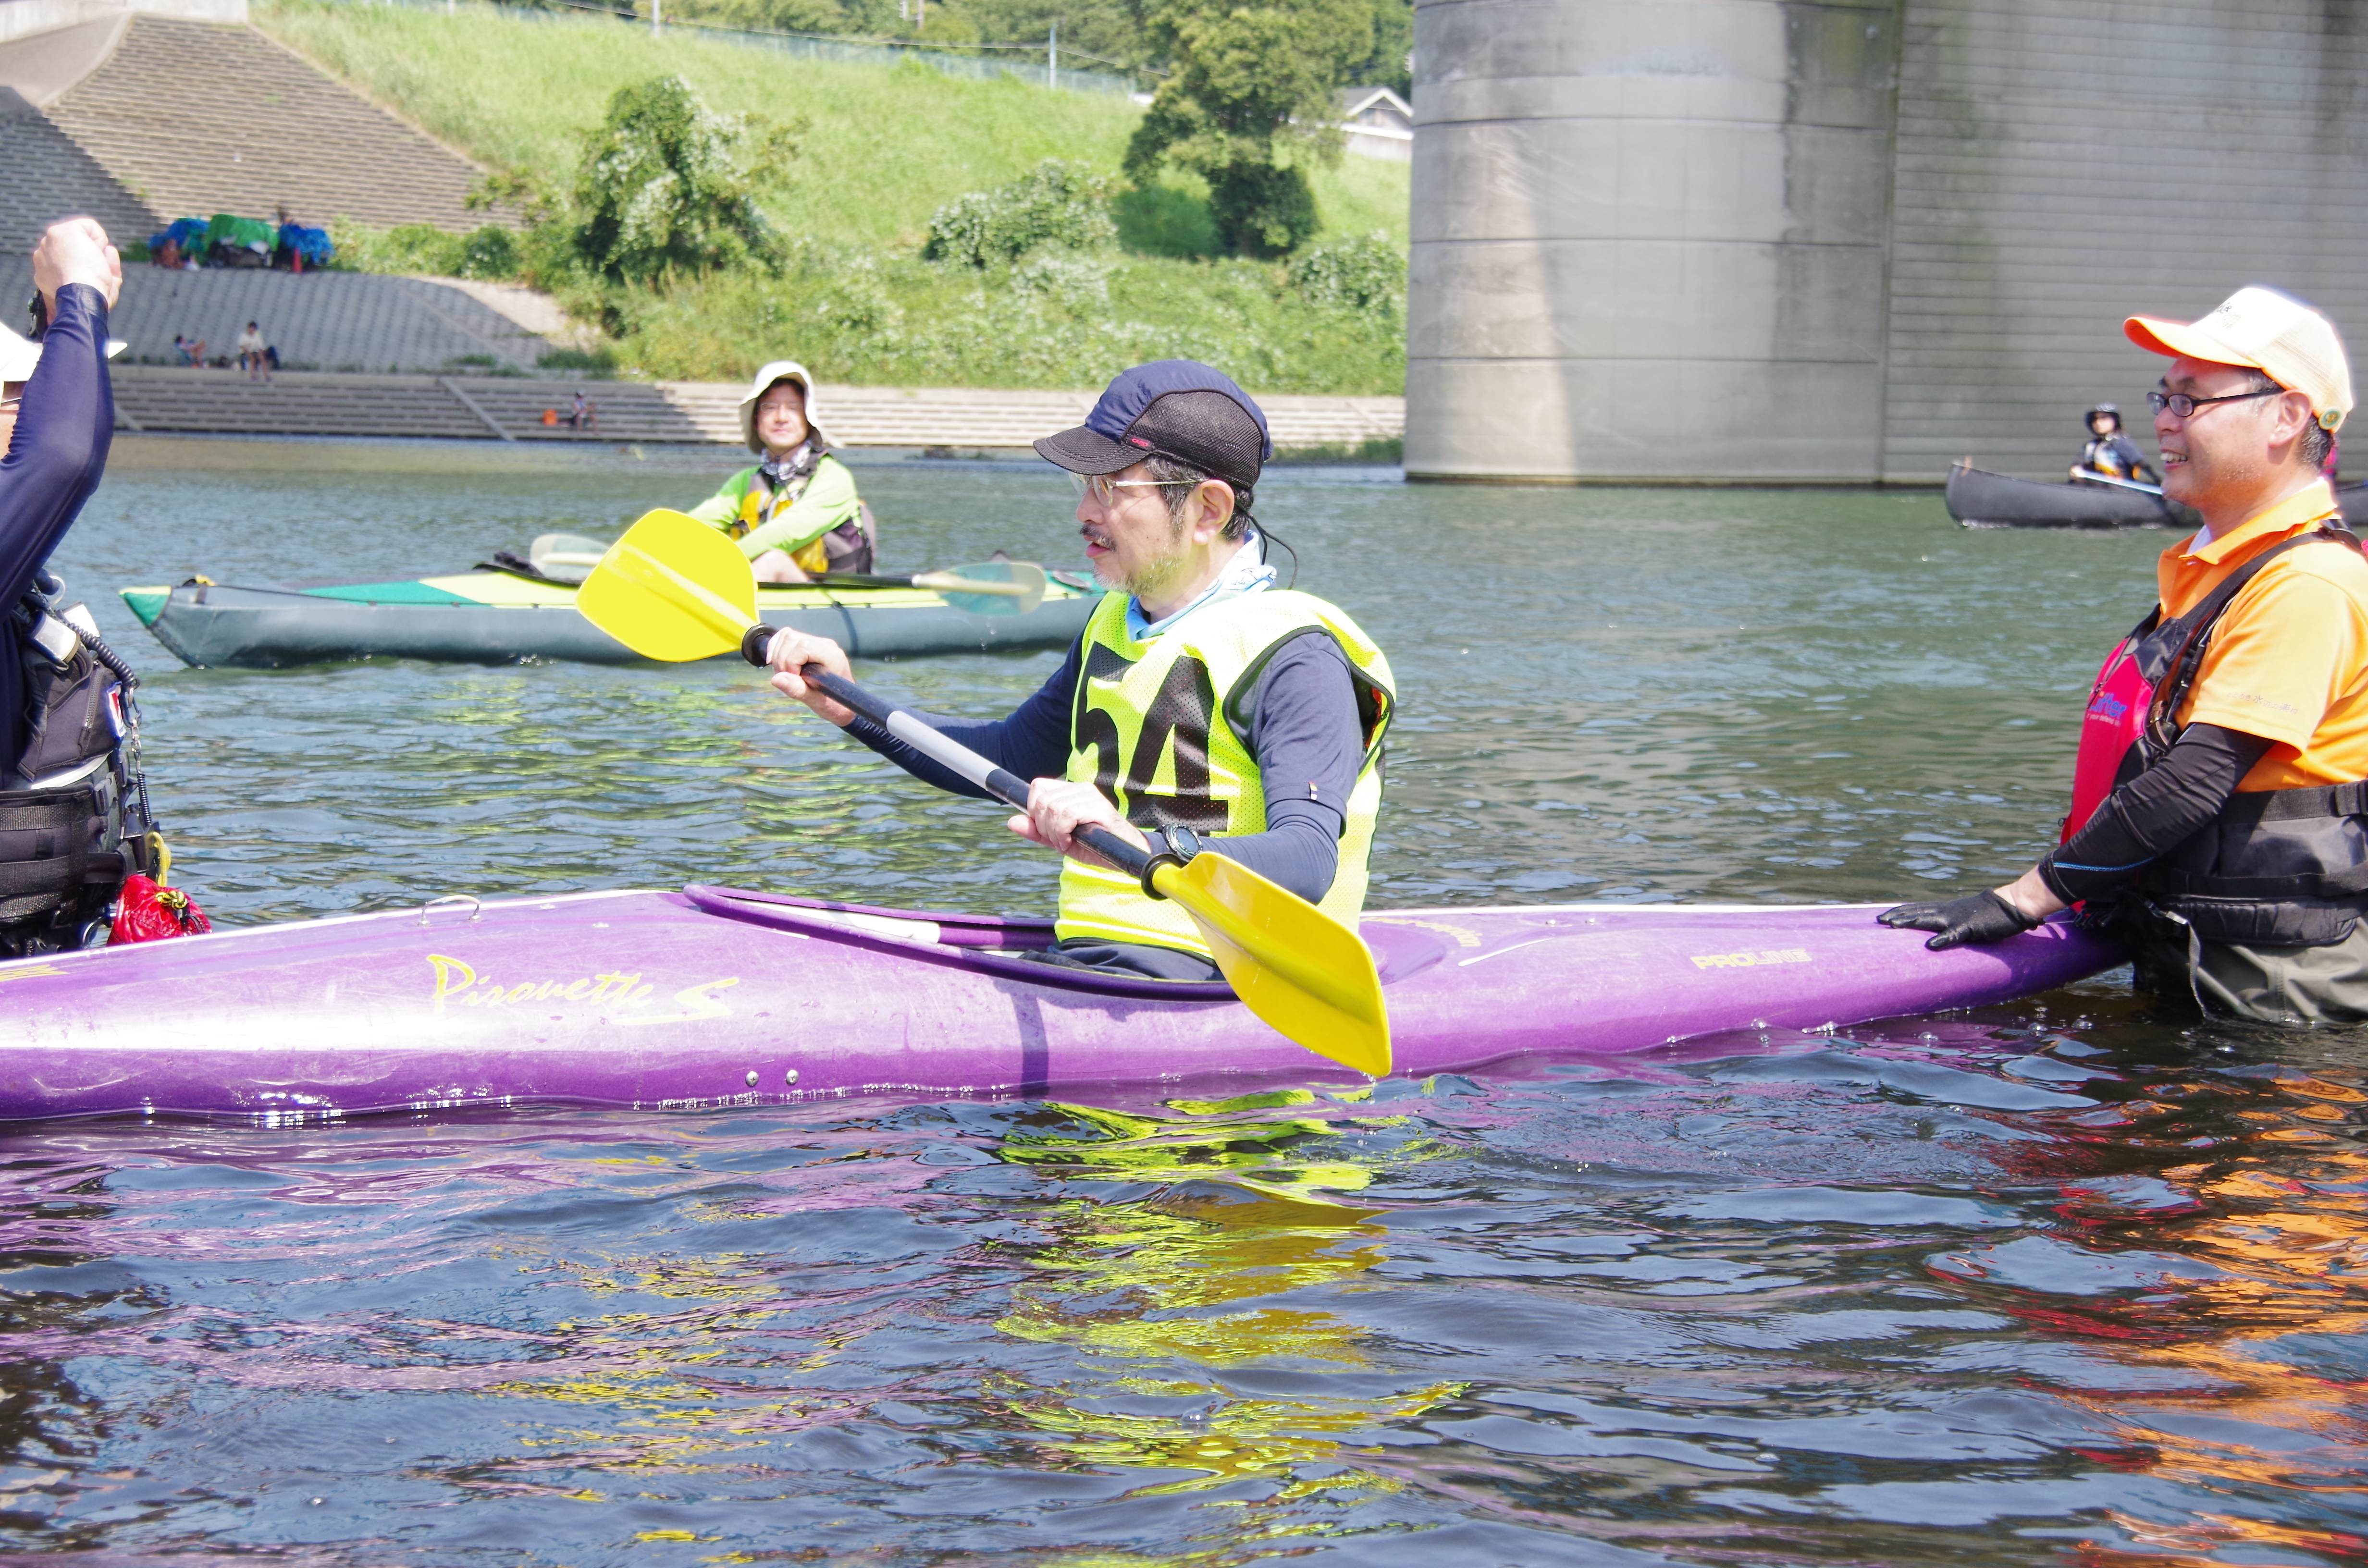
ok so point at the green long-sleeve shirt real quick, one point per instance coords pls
(829, 500)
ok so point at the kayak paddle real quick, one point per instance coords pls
(566, 558)
(674, 589)
(2153, 490)
(990, 587)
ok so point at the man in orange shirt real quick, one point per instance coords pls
(2231, 850)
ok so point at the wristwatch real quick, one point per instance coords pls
(1171, 845)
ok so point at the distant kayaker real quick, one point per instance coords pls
(795, 514)
(2110, 454)
(75, 820)
(2222, 775)
(1203, 707)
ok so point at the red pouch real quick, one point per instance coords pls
(148, 912)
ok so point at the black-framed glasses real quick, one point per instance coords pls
(2183, 406)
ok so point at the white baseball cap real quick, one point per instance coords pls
(777, 371)
(2269, 330)
(19, 354)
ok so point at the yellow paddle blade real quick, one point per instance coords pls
(1292, 964)
(672, 588)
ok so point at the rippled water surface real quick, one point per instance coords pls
(2068, 1282)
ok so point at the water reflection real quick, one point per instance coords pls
(2009, 1289)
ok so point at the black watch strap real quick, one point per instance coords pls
(1172, 846)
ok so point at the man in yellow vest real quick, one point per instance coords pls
(1204, 706)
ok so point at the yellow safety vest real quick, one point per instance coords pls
(1159, 728)
(756, 509)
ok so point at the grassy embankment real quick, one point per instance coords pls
(886, 147)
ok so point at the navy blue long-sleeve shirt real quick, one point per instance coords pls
(1304, 731)
(63, 429)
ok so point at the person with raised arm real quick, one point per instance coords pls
(73, 818)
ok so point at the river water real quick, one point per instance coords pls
(2067, 1281)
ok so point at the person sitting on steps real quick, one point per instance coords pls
(795, 514)
(250, 354)
(2111, 454)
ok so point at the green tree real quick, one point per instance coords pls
(666, 185)
(1055, 203)
(1390, 64)
(1107, 30)
(1255, 91)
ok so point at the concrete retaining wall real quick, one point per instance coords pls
(21, 17)
(1714, 240)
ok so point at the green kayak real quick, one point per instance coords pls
(490, 617)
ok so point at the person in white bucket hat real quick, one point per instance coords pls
(2219, 820)
(794, 513)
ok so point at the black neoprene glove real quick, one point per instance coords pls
(1977, 918)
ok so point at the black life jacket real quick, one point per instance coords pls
(2115, 456)
(2275, 867)
(74, 819)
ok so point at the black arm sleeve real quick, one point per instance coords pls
(1310, 745)
(2153, 812)
(54, 462)
(1032, 742)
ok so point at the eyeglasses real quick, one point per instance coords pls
(2183, 406)
(1103, 488)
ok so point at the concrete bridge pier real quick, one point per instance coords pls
(1853, 240)
(1649, 239)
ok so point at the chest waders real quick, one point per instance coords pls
(1162, 729)
(2275, 868)
(74, 819)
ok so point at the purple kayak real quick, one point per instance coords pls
(712, 997)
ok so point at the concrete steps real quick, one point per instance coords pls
(294, 403)
(198, 118)
(45, 176)
(327, 321)
(951, 416)
(153, 398)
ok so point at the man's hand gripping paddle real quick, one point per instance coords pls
(673, 588)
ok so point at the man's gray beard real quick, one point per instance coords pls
(1153, 576)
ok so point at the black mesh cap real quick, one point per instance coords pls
(1176, 408)
(1207, 430)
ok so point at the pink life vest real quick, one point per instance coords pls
(2115, 718)
(2145, 678)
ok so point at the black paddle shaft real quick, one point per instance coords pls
(1001, 783)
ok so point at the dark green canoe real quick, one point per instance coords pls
(492, 618)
